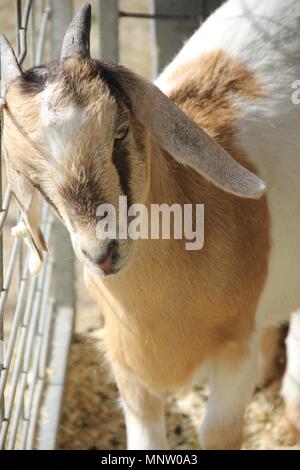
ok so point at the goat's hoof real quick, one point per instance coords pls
(221, 438)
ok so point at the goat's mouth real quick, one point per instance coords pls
(109, 261)
(117, 261)
(108, 268)
(113, 259)
(111, 271)
(110, 265)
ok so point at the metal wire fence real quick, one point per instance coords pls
(35, 320)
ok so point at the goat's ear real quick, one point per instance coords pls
(28, 229)
(10, 69)
(182, 138)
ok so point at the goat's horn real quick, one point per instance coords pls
(10, 69)
(76, 42)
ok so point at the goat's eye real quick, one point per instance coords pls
(122, 132)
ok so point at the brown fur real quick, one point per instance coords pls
(197, 305)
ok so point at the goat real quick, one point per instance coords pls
(220, 117)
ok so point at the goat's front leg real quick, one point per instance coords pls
(144, 413)
(291, 381)
(232, 382)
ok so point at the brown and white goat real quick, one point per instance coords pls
(83, 132)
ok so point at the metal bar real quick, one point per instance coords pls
(18, 23)
(46, 344)
(35, 415)
(157, 16)
(32, 34)
(34, 370)
(108, 29)
(19, 311)
(8, 277)
(32, 326)
(50, 419)
(61, 15)
(9, 353)
(22, 349)
(34, 382)
(1, 253)
(31, 385)
(4, 207)
(169, 36)
(15, 420)
(42, 36)
(211, 5)
(23, 32)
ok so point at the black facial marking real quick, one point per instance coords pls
(44, 195)
(70, 86)
(109, 74)
(49, 201)
(83, 194)
(34, 80)
(120, 158)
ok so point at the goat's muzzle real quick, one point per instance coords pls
(107, 260)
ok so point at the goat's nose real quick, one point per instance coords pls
(106, 259)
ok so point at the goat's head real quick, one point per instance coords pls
(77, 130)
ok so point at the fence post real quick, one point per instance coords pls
(211, 5)
(64, 273)
(169, 33)
(108, 29)
(61, 15)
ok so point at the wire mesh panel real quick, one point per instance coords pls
(35, 319)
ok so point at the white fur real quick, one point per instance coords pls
(291, 382)
(60, 125)
(230, 391)
(145, 435)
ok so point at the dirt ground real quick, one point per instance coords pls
(91, 416)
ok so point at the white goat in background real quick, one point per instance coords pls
(83, 132)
